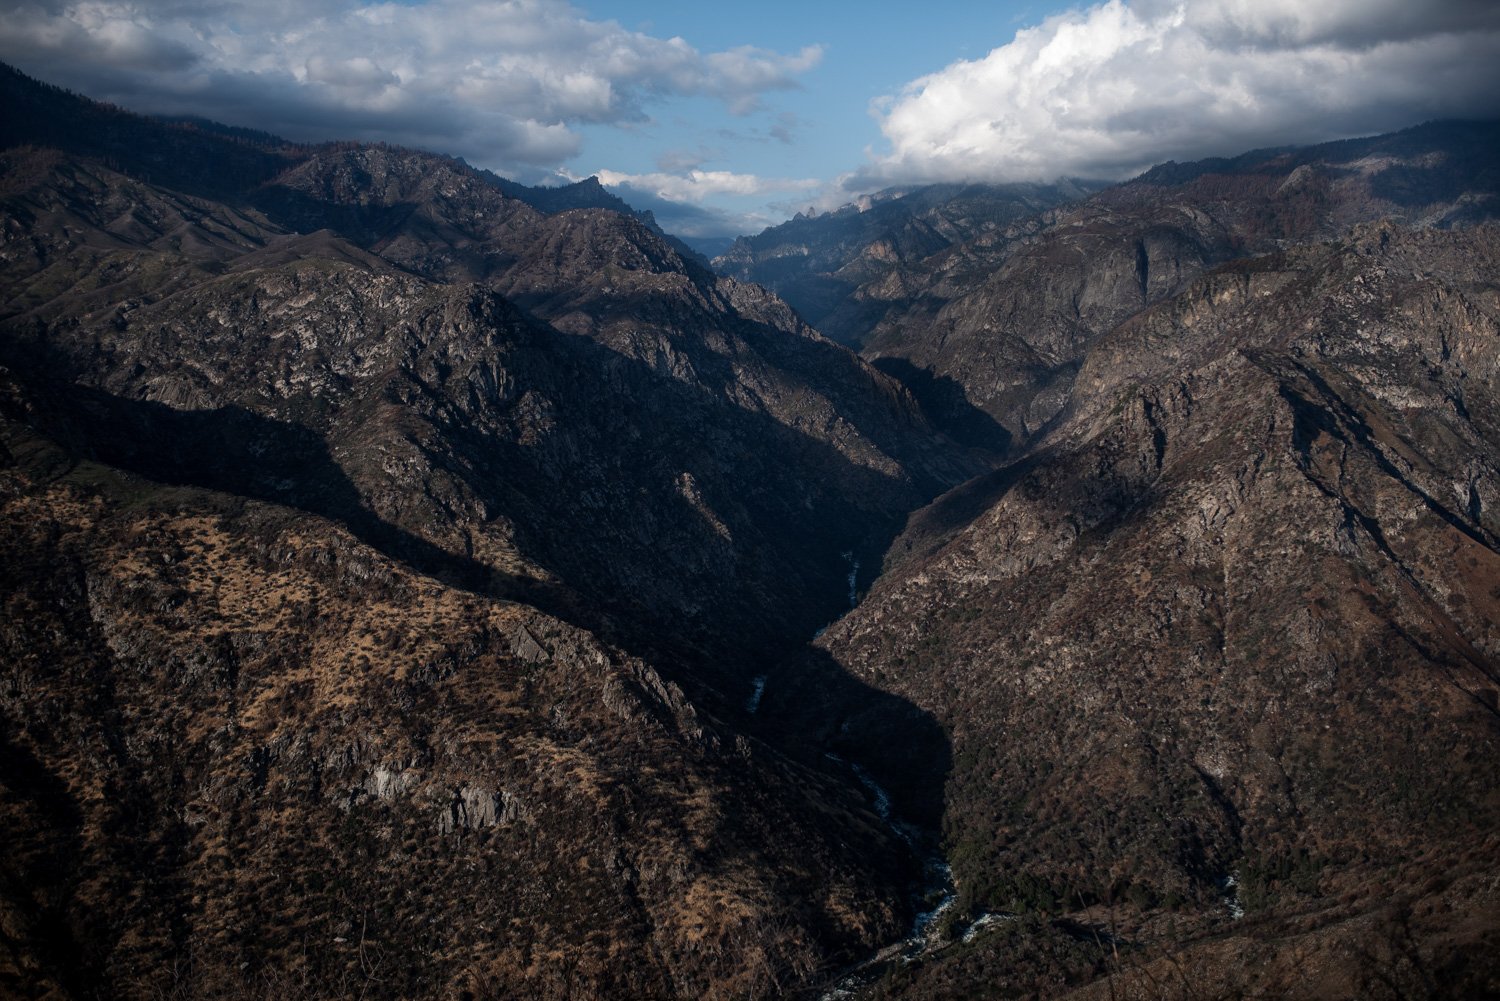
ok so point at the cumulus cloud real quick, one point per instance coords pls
(504, 82)
(1109, 90)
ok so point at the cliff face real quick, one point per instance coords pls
(1236, 623)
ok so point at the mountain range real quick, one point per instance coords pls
(422, 585)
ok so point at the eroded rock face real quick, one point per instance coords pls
(820, 263)
(458, 430)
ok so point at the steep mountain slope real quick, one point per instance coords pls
(248, 756)
(389, 567)
(678, 352)
(590, 194)
(1009, 320)
(1232, 634)
(990, 330)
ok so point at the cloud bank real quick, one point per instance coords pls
(696, 186)
(704, 203)
(505, 83)
(1112, 89)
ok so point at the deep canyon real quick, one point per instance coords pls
(421, 585)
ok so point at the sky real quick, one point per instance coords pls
(726, 118)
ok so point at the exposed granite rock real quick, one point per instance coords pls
(818, 262)
(246, 753)
(457, 431)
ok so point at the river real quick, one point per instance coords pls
(928, 933)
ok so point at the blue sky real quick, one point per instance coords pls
(818, 130)
(725, 118)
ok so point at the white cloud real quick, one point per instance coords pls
(504, 82)
(704, 203)
(1114, 88)
(698, 186)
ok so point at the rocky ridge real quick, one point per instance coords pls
(989, 330)
(818, 262)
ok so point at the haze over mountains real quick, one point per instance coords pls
(416, 583)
